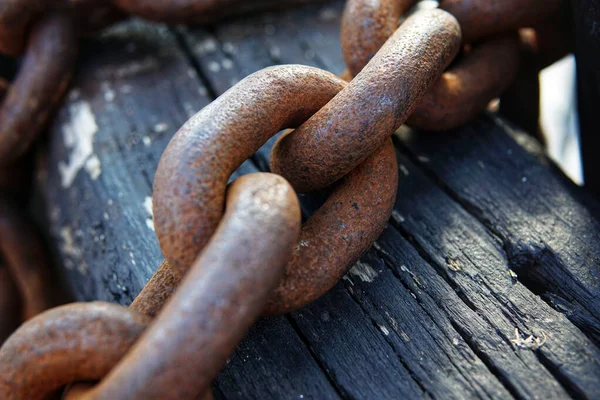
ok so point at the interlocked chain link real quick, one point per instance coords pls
(235, 252)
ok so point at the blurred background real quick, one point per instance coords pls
(559, 118)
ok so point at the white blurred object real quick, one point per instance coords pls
(558, 118)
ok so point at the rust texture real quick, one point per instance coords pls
(199, 11)
(27, 259)
(76, 342)
(351, 219)
(190, 182)
(464, 91)
(186, 198)
(157, 291)
(10, 304)
(366, 26)
(218, 300)
(42, 80)
(480, 19)
(377, 102)
(468, 87)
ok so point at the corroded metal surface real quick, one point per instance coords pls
(353, 216)
(465, 90)
(377, 102)
(76, 342)
(190, 182)
(331, 241)
(366, 26)
(42, 80)
(220, 297)
(157, 291)
(337, 234)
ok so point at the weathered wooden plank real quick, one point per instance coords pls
(451, 311)
(473, 261)
(550, 237)
(354, 351)
(252, 373)
(447, 367)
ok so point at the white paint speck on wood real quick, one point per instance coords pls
(78, 135)
(148, 207)
(364, 272)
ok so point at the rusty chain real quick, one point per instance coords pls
(236, 252)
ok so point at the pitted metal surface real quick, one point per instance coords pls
(76, 342)
(378, 101)
(465, 90)
(190, 182)
(220, 297)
